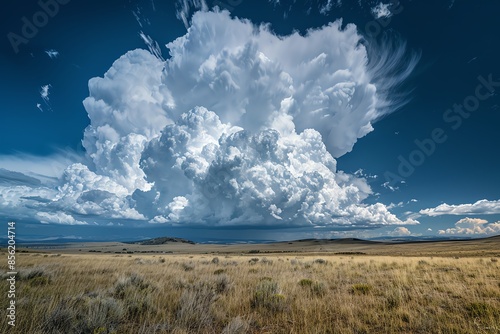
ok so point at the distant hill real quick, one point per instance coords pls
(162, 241)
(336, 241)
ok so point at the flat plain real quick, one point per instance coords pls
(310, 286)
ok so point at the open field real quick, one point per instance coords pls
(476, 247)
(81, 292)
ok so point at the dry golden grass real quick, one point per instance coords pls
(293, 293)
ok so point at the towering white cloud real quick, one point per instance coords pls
(244, 73)
(238, 127)
(125, 108)
(207, 172)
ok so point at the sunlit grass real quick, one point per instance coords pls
(249, 294)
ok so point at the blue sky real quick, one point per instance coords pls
(233, 132)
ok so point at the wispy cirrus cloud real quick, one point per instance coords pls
(53, 54)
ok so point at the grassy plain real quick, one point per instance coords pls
(291, 292)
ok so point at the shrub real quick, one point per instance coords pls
(137, 308)
(39, 280)
(219, 271)
(222, 283)
(194, 307)
(187, 266)
(84, 315)
(215, 260)
(306, 282)
(268, 296)
(361, 289)
(394, 299)
(236, 326)
(29, 274)
(103, 312)
(316, 288)
(125, 285)
(60, 319)
(320, 261)
(481, 310)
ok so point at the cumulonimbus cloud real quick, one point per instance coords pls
(238, 127)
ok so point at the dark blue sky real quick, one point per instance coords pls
(457, 43)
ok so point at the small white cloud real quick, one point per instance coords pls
(159, 220)
(381, 11)
(53, 54)
(429, 229)
(327, 7)
(473, 226)
(387, 185)
(482, 207)
(411, 221)
(400, 231)
(393, 205)
(44, 94)
(361, 173)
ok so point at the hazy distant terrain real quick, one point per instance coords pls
(475, 247)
